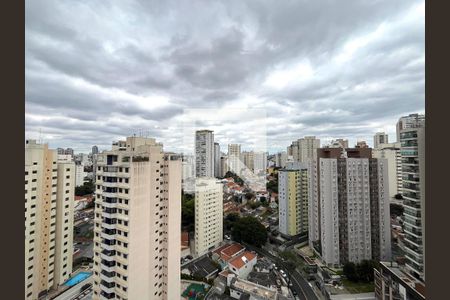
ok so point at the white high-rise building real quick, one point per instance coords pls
(409, 121)
(79, 174)
(380, 138)
(137, 240)
(280, 159)
(224, 167)
(217, 171)
(293, 199)
(49, 202)
(247, 158)
(304, 149)
(391, 152)
(208, 214)
(413, 168)
(351, 209)
(204, 153)
(234, 158)
(260, 162)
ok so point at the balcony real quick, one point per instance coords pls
(105, 295)
(107, 276)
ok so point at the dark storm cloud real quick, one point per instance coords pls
(96, 70)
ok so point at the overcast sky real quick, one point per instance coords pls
(97, 71)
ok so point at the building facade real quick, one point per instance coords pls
(208, 215)
(234, 158)
(392, 282)
(304, 149)
(49, 202)
(247, 158)
(380, 138)
(410, 121)
(280, 159)
(137, 240)
(293, 199)
(391, 152)
(204, 153)
(259, 162)
(217, 171)
(412, 141)
(350, 197)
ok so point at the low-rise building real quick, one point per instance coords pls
(392, 282)
(242, 264)
(239, 289)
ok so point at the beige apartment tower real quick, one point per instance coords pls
(137, 222)
(49, 195)
(208, 214)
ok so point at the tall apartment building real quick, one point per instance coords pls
(69, 151)
(304, 149)
(247, 158)
(339, 143)
(380, 138)
(350, 206)
(391, 152)
(49, 197)
(259, 162)
(361, 144)
(293, 199)
(79, 174)
(412, 141)
(224, 167)
(137, 240)
(204, 153)
(280, 159)
(208, 214)
(234, 158)
(94, 150)
(217, 165)
(409, 121)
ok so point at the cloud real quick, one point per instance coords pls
(98, 70)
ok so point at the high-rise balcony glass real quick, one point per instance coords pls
(108, 274)
(107, 284)
(410, 169)
(409, 143)
(408, 135)
(107, 263)
(107, 295)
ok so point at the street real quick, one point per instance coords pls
(299, 284)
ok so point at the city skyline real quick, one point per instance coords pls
(146, 76)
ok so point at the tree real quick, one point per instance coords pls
(362, 271)
(398, 196)
(236, 178)
(86, 189)
(249, 230)
(230, 220)
(350, 271)
(272, 185)
(249, 195)
(188, 211)
(396, 209)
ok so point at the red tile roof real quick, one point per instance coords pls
(238, 261)
(227, 252)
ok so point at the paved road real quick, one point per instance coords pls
(299, 284)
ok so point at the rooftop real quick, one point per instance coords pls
(242, 259)
(254, 289)
(227, 252)
(203, 267)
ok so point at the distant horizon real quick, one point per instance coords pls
(97, 71)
